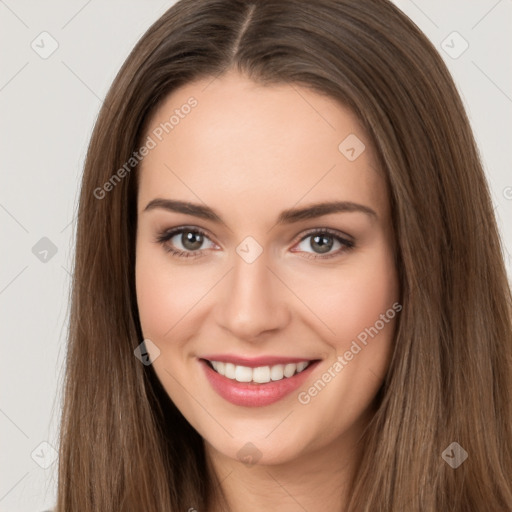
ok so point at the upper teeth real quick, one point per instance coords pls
(260, 374)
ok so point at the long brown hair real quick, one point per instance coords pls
(124, 445)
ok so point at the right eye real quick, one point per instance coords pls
(184, 242)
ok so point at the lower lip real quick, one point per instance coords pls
(251, 394)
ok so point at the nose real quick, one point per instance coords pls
(254, 301)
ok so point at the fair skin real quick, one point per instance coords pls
(249, 152)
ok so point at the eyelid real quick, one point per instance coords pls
(167, 234)
(335, 233)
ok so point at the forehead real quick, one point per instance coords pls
(257, 146)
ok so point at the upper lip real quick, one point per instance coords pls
(254, 362)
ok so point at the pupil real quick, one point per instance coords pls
(191, 241)
(323, 243)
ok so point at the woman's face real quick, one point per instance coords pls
(280, 220)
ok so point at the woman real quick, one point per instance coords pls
(288, 290)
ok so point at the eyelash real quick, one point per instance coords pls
(165, 236)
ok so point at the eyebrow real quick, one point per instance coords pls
(288, 216)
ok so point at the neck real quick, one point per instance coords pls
(316, 480)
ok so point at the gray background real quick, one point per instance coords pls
(48, 107)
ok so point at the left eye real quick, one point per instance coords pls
(324, 242)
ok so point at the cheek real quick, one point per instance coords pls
(165, 294)
(351, 298)
(360, 303)
(155, 299)
(362, 311)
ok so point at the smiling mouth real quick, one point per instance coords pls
(260, 374)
